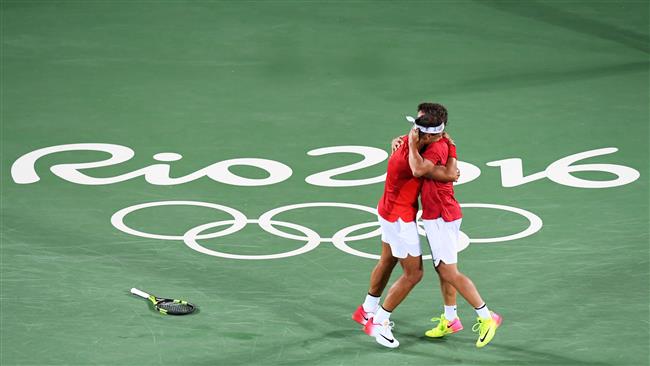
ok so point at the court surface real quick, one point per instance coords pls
(214, 81)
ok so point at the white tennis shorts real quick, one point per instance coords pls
(402, 237)
(443, 239)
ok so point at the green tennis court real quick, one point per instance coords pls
(189, 148)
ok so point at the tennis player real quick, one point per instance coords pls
(442, 217)
(397, 211)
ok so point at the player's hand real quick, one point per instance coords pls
(414, 137)
(449, 139)
(457, 176)
(396, 143)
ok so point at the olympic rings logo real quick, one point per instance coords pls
(340, 239)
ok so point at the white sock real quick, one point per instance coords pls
(370, 304)
(483, 311)
(381, 316)
(450, 312)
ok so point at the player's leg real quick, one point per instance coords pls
(382, 271)
(390, 233)
(448, 322)
(449, 299)
(380, 326)
(445, 261)
(412, 274)
(487, 321)
(404, 243)
(449, 274)
(378, 280)
(448, 293)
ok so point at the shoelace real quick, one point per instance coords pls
(439, 320)
(476, 327)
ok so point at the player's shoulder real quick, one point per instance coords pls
(437, 148)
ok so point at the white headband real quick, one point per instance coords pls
(434, 130)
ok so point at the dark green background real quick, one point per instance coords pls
(275, 79)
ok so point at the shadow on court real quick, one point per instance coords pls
(575, 22)
(546, 77)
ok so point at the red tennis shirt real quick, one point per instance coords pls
(401, 189)
(438, 197)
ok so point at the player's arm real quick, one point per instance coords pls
(421, 167)
(447, 173)
(450, 170)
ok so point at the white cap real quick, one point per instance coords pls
(434, 130)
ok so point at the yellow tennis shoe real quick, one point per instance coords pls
(444, 327)
(486, 328)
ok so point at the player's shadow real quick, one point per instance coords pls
(511, 355)
(517, 355)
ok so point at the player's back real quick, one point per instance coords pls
(401, 188)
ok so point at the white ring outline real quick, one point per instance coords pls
(266, 218)
(239, 219)
(191, 235)
(535, 222)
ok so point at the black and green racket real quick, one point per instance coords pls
(166, 306)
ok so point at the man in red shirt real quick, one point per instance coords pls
(397, 211)
(442, 217)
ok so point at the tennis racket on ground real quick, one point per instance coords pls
(166, 306)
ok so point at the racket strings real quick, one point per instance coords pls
(172, 307)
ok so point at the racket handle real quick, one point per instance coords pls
(137, 292)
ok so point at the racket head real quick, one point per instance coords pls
(174, 306)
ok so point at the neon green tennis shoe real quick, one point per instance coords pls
(444, 327)
(486, 328)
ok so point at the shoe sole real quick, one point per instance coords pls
(384, 342)
(440, 336)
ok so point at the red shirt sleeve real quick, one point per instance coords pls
(452, 151)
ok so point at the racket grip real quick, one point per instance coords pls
(137, 292)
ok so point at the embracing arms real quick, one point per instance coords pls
(422, 167)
